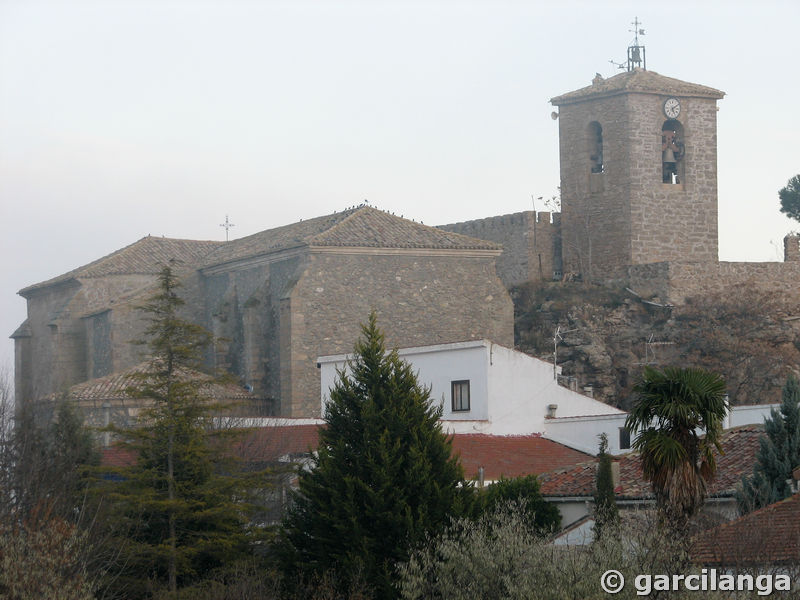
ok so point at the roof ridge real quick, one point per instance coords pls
(353, 211)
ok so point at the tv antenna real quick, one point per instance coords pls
(637, 57)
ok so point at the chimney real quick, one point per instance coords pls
(551, 411)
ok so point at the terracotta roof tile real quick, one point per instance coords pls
(117, 456)
(116, 385)
(768, 536)
(265, 444)
(362, 226)
(739, 445)
(145, 256)
(512, 455)
(638, 80)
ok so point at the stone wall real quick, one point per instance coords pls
(791, 248)
(625, 215)
(673, 221)
(421, 297)
(676, 281)
(531, 244)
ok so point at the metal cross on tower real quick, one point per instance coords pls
(227, 225)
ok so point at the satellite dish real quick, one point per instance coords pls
(554, 115)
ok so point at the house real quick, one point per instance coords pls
(572, 489)
(766, 538)
(485, 388)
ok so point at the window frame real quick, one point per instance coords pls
(461, 385)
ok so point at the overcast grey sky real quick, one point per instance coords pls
(122, 119)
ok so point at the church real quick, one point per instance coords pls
(638, 156)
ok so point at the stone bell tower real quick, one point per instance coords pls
(638, 173)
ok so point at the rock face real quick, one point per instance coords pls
(751, 338)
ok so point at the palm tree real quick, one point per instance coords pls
(673, 409)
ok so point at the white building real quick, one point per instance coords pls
(490, 389)
(486, 388)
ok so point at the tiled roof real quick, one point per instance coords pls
(768, 536)
(738, 444)
(638, 80)
(116, 385)
(264, 444)
(23, 330)
(362, 226)
(117, 456)
(512, 455)
(145, 257)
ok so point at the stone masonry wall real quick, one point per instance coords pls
(420, 298)
(595, 207)
(791, 248)
(676, 281)
(531, 244)
(673, 221)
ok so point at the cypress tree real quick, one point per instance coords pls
(180, 505)
(605, 503)
(778, 454)
(382, 479)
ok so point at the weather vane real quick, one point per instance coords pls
(636, 51)
(227, 225)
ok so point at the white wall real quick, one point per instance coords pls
(749, 415)
(437, 367)
(582, 433)
(509, 391)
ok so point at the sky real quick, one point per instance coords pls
(121, 119)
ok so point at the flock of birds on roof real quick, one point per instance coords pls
(366, 203)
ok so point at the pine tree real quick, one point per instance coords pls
(605, 503)
(383, 477)
(180, 506)
(778, 454)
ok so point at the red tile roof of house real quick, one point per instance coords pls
(117, 456)
(512, 455)
(739, 445)
(271, 443)
(768, 536)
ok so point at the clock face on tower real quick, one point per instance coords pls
(672, 108)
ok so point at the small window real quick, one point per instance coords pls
(460, 395)
(624, 439)
(594, 140)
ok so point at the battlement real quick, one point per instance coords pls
(791, 248)
(531, 244)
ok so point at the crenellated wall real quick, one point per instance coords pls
(531, 244)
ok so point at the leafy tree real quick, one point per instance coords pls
(540, 515)
(778, 454)
(605, 503)
(383, 477)
(180, 504)
(671, 406)
(790, 198)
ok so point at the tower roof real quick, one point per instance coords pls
(362, 226)
(637, 81)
